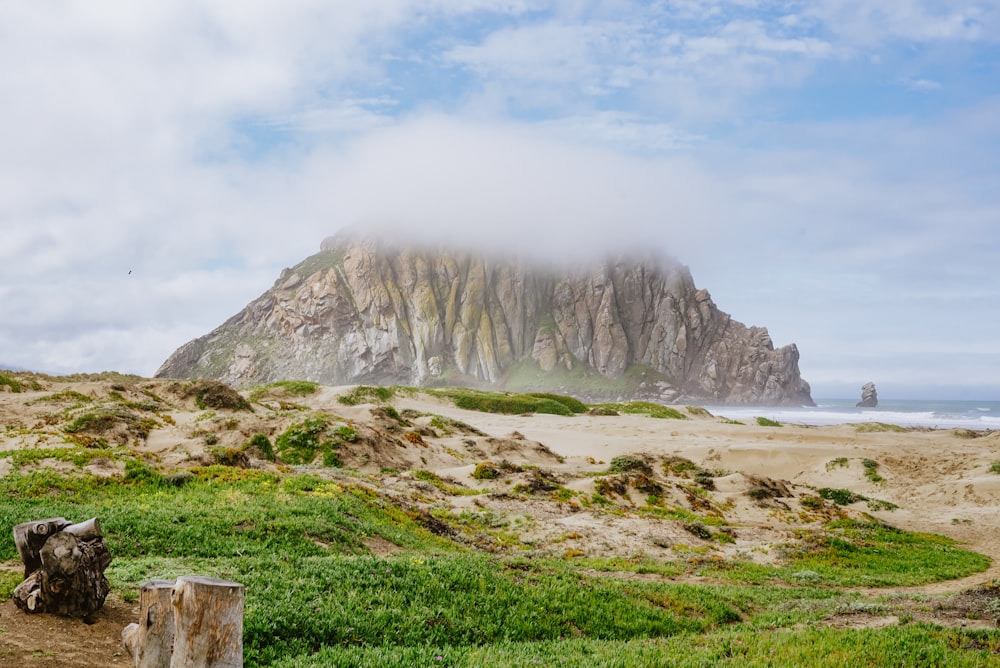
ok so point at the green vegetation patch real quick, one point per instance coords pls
(297, 388)
(447, 486)
(839, 462)
(646, 408)
(767, 422)
(316, 596)
(78, 456)
(323, 261)
(582, 379)
(260, 446)
(626, 463)
(113, 421)
(211, 394)
(507, 403)
(995, 467)
(853, 552)
(448, 426)
(10, 382)
(290, 388)
(65, 397)
(845, 497)
(679, 466)
(871, 470)
(363, 394)
(742, 646)
(575, 405)
(875, 427)
(302, 442)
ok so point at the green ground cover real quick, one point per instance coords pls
(510, 403)
(316, 596)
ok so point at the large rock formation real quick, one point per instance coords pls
(363, 310)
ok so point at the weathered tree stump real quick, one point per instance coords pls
(150, 642)
(204, 629)
(208, 623)
(63, 567)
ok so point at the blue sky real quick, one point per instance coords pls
(828, 169)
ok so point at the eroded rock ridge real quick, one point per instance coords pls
(364, 310)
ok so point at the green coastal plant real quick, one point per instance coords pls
(507, 403)
(10, 382)
(875, 427)
(645, 408)
(871, 470)
(842, 497)
(302, 442)
(316, 595)
(367, 394)
(298, 388)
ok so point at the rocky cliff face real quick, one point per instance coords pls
(365, 311)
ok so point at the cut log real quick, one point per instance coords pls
(29, 538)
(150, 641)
(208, 623)
(64, 567)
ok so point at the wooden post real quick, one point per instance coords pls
(208, 623)
(151, 640)
(64, 567)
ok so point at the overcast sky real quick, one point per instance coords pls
(829, 169)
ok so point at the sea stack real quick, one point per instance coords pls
(869, 397)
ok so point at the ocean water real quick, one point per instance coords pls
(905, 413)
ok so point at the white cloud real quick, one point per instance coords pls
(136, 137)
(922, 85)
(867, 23)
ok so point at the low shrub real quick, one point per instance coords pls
(876, 427)
(842, 497)
(811, 502)
(10, 381)
(300, 443)
(626, 463)
(504, 403)
(838, 462)
(141, 473)
(367, 394)
(697, 529)
(679, 466)
(298, 388)
(871, 470)
(486, 471)
(260, 445)
(575, 405)
(212, 394)
(645, 408)
(705, 479)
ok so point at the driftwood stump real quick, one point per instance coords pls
(151, 641)
(195, 622)
(63, 567)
